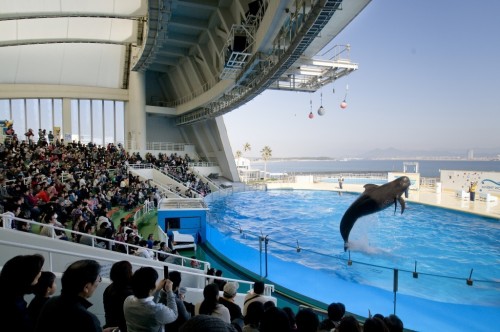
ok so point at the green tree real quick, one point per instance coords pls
(238, 154)
(266, 154)
(247, 147)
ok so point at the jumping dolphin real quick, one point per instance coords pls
(373, 199)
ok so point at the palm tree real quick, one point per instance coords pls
(247, 147)
(238, 154)
(266, 154)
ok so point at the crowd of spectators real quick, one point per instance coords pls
(142, 301)
(75, 186)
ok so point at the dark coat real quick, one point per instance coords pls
(67, 313)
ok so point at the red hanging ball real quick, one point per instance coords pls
(311, 115)
(343, 105)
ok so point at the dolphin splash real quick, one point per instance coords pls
(374, 199)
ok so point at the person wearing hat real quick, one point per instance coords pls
(227, 300)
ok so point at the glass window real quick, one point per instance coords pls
(33, 116)
(109, 122)
(120, 122)
(85, 121)
(75, 128)
(19, 117)
(58, 118)
(97, 119)
(4, 109)
(46, 115)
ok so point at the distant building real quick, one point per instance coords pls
(470, 154)
(245, 171)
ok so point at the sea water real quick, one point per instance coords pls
(427, 168)
(444, 247)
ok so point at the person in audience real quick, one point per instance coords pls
(394, 323)
(48, 230)
(274, 320)
(88, 239)
(150, 241)
(115, 294)
(230, 290)
(374, 324)
(219, 282)
(13, 210)
(69, 311)
(104, 232)
(335, 313)
(349, 324)
(183, 314)
(142, 310)
(252, 319)
(256, 295)
(210, 272)
(195, 264)
(164, 249)
(206, 323)
(210, 304)
(19, 274)
(307, 320)
(174, 258)
(143, 251)
(291, 318)
(43, 290)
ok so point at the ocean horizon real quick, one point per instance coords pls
(426, 168)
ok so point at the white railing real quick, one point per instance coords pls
(203, 164)
(146, 208)
(169, 146)
(185, 261)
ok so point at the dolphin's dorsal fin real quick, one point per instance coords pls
(370, 186)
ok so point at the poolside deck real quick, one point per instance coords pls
(425, 195)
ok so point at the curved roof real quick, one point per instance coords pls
(200, 57)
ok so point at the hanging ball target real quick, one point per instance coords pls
(321, 111)
(343, 105)
(311, 115)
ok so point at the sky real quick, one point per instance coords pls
(428, 79)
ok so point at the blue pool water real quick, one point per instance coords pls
(444, 245)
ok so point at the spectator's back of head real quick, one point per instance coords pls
(307, 320)
(374, 324)
(274, 320)
(258, 287)
(175, 278)
(336, 311)
(254, 314)
(45, 281)
(121, 272)
(349, 324)
(78, 275)
(19, 273)
(143, 281)
(394, 323)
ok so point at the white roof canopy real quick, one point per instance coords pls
(67, 42)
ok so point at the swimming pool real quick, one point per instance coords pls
(443, 245)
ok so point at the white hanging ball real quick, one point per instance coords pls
(321, 111)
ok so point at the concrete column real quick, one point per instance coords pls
(135, 110)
